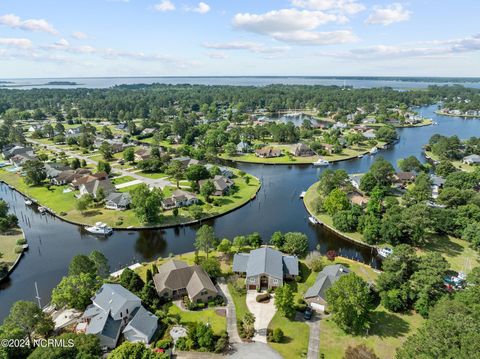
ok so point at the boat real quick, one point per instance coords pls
(374, 150)
(28, 202)
(321, 162)
(313, 220)
(42, 210)
(360, 156)
(384, 252)
(99, 228)
(303, 194)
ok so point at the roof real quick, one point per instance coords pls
(142, 322)
(93, 186)
(265, 260)
(437, 180)
(325, 279)
(105, 325)
(119, 198)
(111, 298)
(474, 158)
(405, 176)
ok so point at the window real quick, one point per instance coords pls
(127, 311)
(275, 281)
(121, 314)
(252, 279)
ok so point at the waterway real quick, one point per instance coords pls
(277, 207)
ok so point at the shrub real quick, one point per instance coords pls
(63, 213)
(314, 261)
(277, 335)
(164, 343)
(21, 241)
(263, 297)
(331, 254)
(18, 250)
(222, 342)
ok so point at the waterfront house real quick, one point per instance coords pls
(404, 178)
(222, 185)
(437, 185)
(355, 180)
(265, 268)
(112, 308)
(268, 152)
(86, 176)
(302, 150)
(369, 134)
(118, 201)
(471, 159)
(224, 171)
(186, 161)
(316, 295)
(176, 279)
(243, 147)
(179, 198)
(93, 187)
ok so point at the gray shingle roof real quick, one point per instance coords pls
(240, 261)
(290, 265)
(119, 198)
(111, 297)
(143, 322)
(325, 279)
(265, 260)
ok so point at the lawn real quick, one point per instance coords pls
(295, 344)
(122, 179)
(207, 316)
(8, 243)
(458, 164)
(387, 333)
(240, 300)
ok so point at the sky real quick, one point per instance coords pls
(96, 38)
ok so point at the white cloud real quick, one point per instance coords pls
(164, 5)
(15, 42)
(317, 38)
(14, 22)
(388, 15)
(246, 45)
(79, 35)
(342, 6)
(217, 55)
(201, 8)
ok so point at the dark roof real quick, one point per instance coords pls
(143, 322)
(119, 198)
(111, 297)
(265, 260)
(325, 279)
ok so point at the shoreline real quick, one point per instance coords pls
(438, 112)
(15, 264)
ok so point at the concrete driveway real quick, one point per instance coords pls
(263, 313)
(253, 350)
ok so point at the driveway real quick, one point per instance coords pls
(314, 338)
(253, 350)
(263, 313)
(231, 313)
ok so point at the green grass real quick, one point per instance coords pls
(387, 333)
(123, 179)
(152, 175)
(458, 164)
(240, 300)
(8, 243)
(296, 333)
(217, 322)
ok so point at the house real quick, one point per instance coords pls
(142, 154)
(222, 185)
(86, 176)
(92, 187)
(437, 184)
(355, 180)
(369, 120)
(19, 159)
(73, 132)
(186, 161)
(179, 198)
(118, 201)
(224, 171)
(369, 134)
(471, 160)
(112, 308)
(302, 150)
(243, 147)
(316, 294)
(13, 150)
(148, 131)
(339, 125)
(176, 279)
(122, 126)
(404, 178)
(268, 152)
(357, 198)
(328, 147)
(265, 267)
(35, 127)
(142, 327)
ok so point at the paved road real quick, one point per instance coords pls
(314, 338)
(231, 313)
(149, 181)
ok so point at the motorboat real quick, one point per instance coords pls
(99, 228)
(360, 156)
(321, 162)
(384, 252)
(303, 194)
(42, 210)
(374, 150)
(28, 202)
(313, 220)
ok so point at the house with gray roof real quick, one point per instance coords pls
(118, 201)
(113, 308)
(92, 187)
(142, 327)
(265, 267)
(471, 160)
(176, 279)
(222, 185)
(316, 295)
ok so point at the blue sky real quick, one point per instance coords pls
(239, 37)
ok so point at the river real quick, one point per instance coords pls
(277, 207)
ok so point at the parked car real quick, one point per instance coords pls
(308, 313)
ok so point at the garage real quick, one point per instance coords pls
(317, 307)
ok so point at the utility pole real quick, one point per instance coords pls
(38, 296)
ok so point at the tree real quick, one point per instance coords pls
(81, 264)
(254, 240)
(212, 267)
(471, 234)
(330, 180)
(277, 239)
(315, 261)
(474, 276)
(346, 220)
(336, 201)
(284, 300)
(360, 351)
(101, 263)
(131, 280)
(75, 163)
(225, 246)
(29, 318)
(86, 346)
(196, 211)
(84, 202)
(205, 239)
(146, 203)
(34, 172)
(230, 149)
(129, 154)
(134, 351)
(104, 167)
(175, 170)
(444, 168)
(296, 243)
(240, 242)
(410, 164)
(75, 291)
(380, 174)
(207, 189)
(349, 302)
(106, 150)
(196, 172)
(107, 132)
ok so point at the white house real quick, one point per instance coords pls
(142, 327)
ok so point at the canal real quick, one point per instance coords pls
(277, 207)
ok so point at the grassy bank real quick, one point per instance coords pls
(210, 316)
(458, 164)
(8, 243)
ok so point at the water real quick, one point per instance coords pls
(105, 82)
(277, 208)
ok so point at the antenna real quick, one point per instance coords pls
(38, 296)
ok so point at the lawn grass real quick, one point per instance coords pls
(458, 164)
(388, 331)
(122, 179)
(239, 300)
(295, 343)
(206, 316)
(8, 243)
(152, 175)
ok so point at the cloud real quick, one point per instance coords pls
(79, 35)
(201, 8)
(295, 26)
(388, 15)
(15, 42)
(164, 5)
(39, 25)
(246, 45)
(217, 55)
(349, 7)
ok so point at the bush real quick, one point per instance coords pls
(277, 335)
(63, 213)
(263, 297)
(18, 250)
(315, 261)
(21, 241)
(331, 254)
(301, 305)
(164, 343)
(222, 342)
